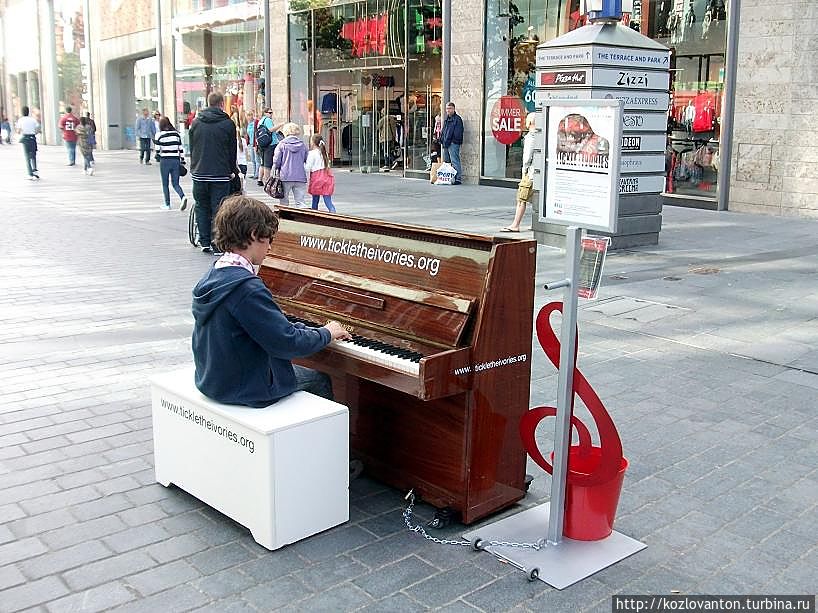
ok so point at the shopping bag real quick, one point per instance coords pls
(322, 183)
(445, 174)
(433, 172)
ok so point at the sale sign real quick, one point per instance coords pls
(507, 120)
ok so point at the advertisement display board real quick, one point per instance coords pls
(582, 163)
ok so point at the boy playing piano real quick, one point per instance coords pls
(242, 342)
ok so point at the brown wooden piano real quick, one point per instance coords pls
(437, 375)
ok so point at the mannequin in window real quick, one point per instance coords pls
(386, 136)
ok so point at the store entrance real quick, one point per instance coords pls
(361, 115)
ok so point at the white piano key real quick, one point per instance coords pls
(374, 356)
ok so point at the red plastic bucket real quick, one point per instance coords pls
(590, 509)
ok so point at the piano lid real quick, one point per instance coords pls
(452, 263)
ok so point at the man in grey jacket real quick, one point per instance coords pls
(145, 131)
(212, 163)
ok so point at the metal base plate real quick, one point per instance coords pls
(559, 565)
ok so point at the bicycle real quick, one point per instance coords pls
(193, 228)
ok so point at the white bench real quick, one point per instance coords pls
(281, 471)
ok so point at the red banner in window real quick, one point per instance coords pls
(368, 36)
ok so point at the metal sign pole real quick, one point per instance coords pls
(580, 192)
(565, 385)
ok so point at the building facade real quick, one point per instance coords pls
(367, 74)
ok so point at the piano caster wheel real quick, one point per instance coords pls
(356, 467)
(528, 480)
(443, 517)
(533, 574)
(477, 544)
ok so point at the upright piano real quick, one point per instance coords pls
(437, 375)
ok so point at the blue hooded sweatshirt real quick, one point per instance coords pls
(243, 343)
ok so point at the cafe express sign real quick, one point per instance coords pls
(508, 120)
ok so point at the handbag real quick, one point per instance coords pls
(524, 189)
(322, 183)
(182, 168)
(274, 187)
(235, 184)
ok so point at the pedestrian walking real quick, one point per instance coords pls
(250, 140)
(212, 163)
(267, 140)
(289, 160)
(28, 128)
(171, 158)
(5, 131)
(68, 124)
(320, 180)
(451, 138)
(92, 131)
(241, 157)
(156, 117)
(525, 188)
(83, 132)
(145, 131)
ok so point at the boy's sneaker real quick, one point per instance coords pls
(184, 203)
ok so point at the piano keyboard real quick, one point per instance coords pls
(374, 352)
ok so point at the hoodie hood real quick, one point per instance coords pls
(215, 288)
(212, 114)
(292, 144)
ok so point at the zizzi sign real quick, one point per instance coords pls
(630, 79)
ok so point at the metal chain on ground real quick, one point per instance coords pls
(477, 544)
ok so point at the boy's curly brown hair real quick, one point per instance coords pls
(241, 219)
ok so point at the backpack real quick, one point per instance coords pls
(264, 138)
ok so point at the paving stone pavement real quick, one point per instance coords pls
(704, 349)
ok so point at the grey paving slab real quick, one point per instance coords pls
(100, 598)
(715, 402)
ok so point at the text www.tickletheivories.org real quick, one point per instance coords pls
(209, 425)
(361, 250)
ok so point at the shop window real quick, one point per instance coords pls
(226, 58)
(696, 32)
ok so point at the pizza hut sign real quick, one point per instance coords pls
(563, 77)
(507, 120)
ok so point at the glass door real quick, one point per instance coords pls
(380, 135)
(422, 102)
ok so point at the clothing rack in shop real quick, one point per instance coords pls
(335, 121)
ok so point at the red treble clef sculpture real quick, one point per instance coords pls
(588, 466)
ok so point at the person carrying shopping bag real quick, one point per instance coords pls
(288, 161)
(320, 179)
